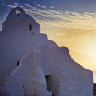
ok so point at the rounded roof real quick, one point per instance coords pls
(29, 18)
(19, 9)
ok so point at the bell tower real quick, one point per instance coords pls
(20, 21)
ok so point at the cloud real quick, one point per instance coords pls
(16, 4)
(78, 23)
(65, 18)
(52, 7)
(12, 6)
(39, 5)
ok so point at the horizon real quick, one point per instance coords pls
(69, 24)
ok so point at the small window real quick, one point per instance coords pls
(18, 63)
(30, 27)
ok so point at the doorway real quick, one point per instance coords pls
(48, 82)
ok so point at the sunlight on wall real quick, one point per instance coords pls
(82, 47)
(77, 31)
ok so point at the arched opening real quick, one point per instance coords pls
(18, 13)
(30, 27)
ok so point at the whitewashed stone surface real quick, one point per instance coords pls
(32, 65)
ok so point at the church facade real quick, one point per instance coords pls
(32, 65)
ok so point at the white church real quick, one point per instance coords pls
(32, 65)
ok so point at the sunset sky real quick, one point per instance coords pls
(70, 23)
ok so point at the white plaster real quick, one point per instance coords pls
(42, 63)
(29, 77)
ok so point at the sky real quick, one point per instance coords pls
(70, 23)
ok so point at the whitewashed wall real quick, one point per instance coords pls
(64, 76)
